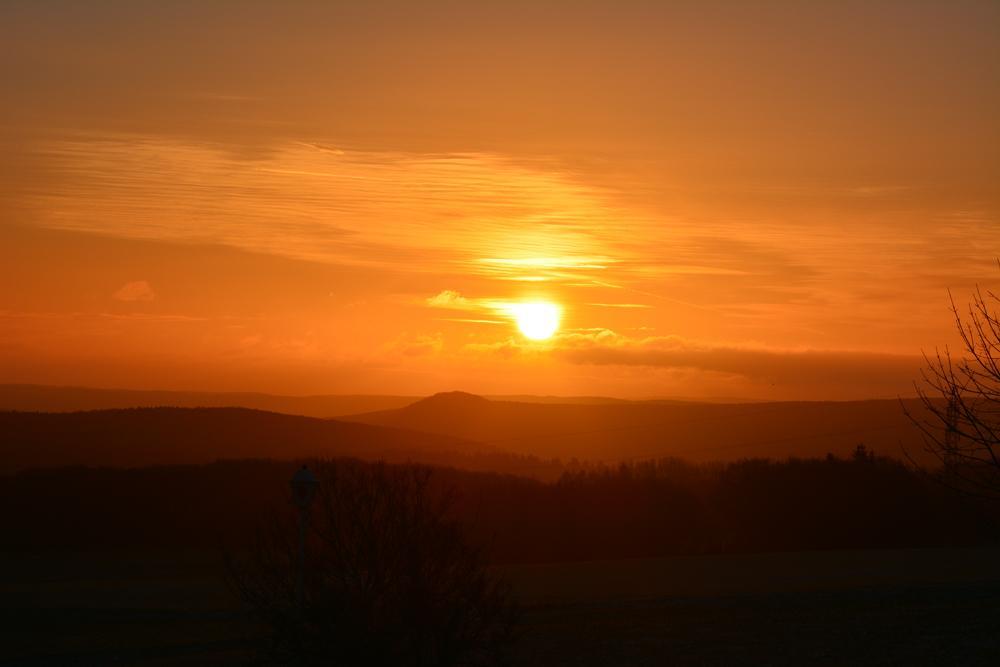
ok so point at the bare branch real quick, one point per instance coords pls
(961, 400)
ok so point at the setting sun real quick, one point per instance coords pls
(537, 320)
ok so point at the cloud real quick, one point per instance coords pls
(453, 300)
(856, 276)
(822, 372)
(450, 299)
(773, 366)
(485, 214)
(138, 290)
(541, 269)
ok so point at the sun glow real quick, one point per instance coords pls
(537, 320)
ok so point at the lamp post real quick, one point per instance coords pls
(303, 485)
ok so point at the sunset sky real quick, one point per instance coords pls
(720, 199)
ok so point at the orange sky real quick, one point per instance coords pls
(727, 199)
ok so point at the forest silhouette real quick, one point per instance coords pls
(642, 509)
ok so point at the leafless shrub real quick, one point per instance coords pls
(389, 577)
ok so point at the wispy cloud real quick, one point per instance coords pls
(452, 300)
(478, 213)
(138, 290)
(487, 217)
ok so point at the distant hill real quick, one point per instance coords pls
(441, 428)
(43, 398)
(599, 400)
(694, 431)
(151, 436)
(40, 398)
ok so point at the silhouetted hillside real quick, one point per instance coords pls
(40, 398)
(148, 436)
(693, 431)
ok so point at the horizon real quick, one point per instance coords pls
(444, 392)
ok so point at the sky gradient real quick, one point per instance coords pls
(726, 199)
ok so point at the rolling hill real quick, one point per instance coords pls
(155, 436)
(693, 431)
(41, 398)
(453, 428)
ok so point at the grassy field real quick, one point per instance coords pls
(934, 606)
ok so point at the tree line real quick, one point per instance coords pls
(638, 509)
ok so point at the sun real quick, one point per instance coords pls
(537, 320)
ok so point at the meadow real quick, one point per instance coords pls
(872, 607)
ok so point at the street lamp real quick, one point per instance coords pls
(303, 485)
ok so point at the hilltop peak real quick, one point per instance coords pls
(453, 399)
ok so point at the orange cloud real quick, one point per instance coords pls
(820, 372)
(450, 299)
(781, 367)
(138, 290)
(479, 213)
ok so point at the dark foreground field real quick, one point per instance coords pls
(877, 607)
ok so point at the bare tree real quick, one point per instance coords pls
(961, 397)
(389, 579)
